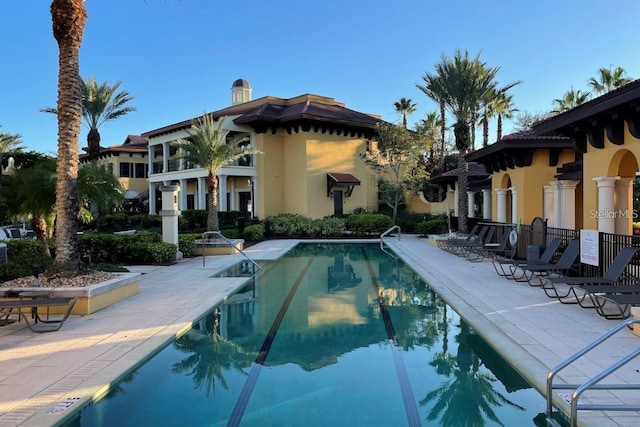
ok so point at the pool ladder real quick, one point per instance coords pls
(593, 383)
(207, 235)
(395, 227)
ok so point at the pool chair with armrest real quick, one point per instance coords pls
(625, 297)
(534, 274)
(507, 268)
(448, 244)
(577, 290)
(491, 249)
(484, 236)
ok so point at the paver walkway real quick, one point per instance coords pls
(43, 372)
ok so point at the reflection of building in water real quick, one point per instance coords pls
(341, 275)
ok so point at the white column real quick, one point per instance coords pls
(201, 194)
(486, 204)
(166, 152)
(606, 205)
(624, 206)
(254, 189)
(181, 162)
(183, 195)
(501, 200)
(170, 214)
(557, 205)
(455, 200)
(471, 211)
(514, 204)
(152, 198)
(568, 208)
(222, 193)
(548, 203)
(150, 158)
(233, 196)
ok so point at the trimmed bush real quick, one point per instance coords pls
(288, 225)
(187, 244)
(432, 226)
(364, 224)
(254, 232)
(331, 227)
(22, 256)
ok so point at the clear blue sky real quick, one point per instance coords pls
(179, 58)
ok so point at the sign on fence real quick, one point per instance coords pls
(589, 249)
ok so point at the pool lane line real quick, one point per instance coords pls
(408, 398)
(243, 399)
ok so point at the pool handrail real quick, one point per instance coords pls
(387, 232)
(218, 234)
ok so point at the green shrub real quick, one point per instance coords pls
(368, 223)
(187, 244)
(331, 227)
(287, 225)
(22, 256)
(254, 232)
(432, 226)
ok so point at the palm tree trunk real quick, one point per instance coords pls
(443, 131)
(463, 185)
(212, 213)
(39, 226)
(93, 145)
(499, 127)
(485, 129)
(69, 17)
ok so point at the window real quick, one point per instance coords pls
(125, 170)
(141, 170)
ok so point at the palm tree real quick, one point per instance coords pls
(608, 80)
(8, 143)
(435, 90)
(464, 83)
(571, 99)
(404, 107)
(33, 191)
(208, 147)
(428, 129)
(69, 18)
(504, 109)
(98, 188)
(100, 103)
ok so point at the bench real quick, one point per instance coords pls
(8, 308)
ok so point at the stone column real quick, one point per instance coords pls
(170, 214)
(606, 204)
(152, 198)
(514, 204)
(202, 194)
(568, 208)
(222, 193)
(455, 200)
(166, 153)
(548, 204)
(486, 204)
(557, 205)
(183, 195)
(624, 206)
(471, 211)
(501, 200)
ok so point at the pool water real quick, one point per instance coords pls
(330, 335)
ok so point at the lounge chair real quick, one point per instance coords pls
(564, 265)
(508, 268)
(566, 288)
(449, 244)
(623, 299)
(16, 308)
(484, 236)
(492, 250)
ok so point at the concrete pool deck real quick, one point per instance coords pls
(44, 377)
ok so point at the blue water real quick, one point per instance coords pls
(330, 335)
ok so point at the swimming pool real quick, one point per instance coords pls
(330, 335)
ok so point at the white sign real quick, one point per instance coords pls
(589, 249)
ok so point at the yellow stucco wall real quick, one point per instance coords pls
(612, 160)
(137, 184)
(294, 169)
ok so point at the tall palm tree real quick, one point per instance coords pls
(504, 109)
(100, 103)
(608, 80)
(465, 82)
(69, 18)
(208, 147)
(435, 90)
(98, 188)
(404, 107)
(571, 99)
(428, 129)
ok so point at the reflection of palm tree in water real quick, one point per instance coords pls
(468, 395)
(210, 355)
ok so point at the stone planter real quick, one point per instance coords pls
(218, 247)
(89, 298)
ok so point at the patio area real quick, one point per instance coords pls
(44, 377)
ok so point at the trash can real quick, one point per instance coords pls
(534, 252)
